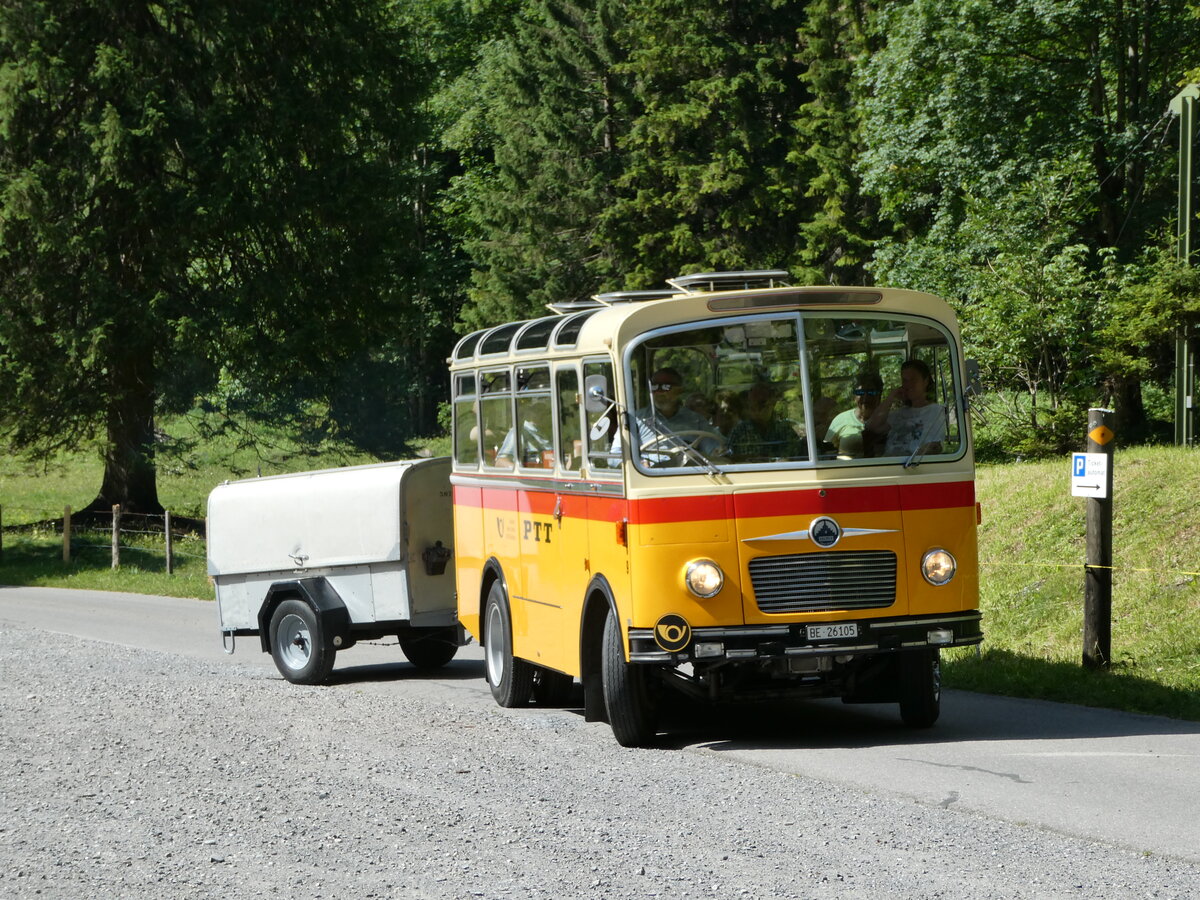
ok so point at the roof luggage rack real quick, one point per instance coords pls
(708, 282)
(563, 307)
(632, 296)
(609, 299)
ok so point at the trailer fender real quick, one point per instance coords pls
(317, 593)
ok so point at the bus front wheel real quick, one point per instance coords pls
(920, 687)
(627, 695)
(510, 678)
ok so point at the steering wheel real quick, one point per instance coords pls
(695, 434)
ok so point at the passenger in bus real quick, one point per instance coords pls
(907, 416)
(537, 442)
(845, 432)
(763, 436)
(698, 404)
(726, 411)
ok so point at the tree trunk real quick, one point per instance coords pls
(1129, 411)
(130, 478)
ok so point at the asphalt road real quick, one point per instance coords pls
(1125, 780)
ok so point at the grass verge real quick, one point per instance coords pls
(1032, 549)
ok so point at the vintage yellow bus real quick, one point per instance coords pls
(732, 487)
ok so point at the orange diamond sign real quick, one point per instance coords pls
(1101, 434)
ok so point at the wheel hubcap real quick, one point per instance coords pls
(495, 645)
(294, 642)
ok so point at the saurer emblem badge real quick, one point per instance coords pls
(824, 532)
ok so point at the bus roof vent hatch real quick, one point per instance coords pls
(709, 282)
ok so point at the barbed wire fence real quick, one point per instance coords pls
(150, 540)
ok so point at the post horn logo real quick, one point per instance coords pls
(672, 633)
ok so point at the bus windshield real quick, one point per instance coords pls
(812, 388)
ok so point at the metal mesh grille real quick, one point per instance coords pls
(806, 582)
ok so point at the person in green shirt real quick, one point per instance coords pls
(845, 432)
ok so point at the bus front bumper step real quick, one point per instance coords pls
(759, 642)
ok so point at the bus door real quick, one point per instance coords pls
(553, 561)
(533, 594)
(608, 510)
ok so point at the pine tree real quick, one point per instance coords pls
(540, 145)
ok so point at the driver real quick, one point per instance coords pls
(667, 413)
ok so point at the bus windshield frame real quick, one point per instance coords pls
(780, 370)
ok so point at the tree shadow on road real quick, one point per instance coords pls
(965, 717)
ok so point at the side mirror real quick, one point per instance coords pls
(595, 394)
(974, 384)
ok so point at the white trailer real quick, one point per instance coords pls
(314, 561)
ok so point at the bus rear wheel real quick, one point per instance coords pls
(627, 695)
(920, 687)
(429, 648)
(510, 679)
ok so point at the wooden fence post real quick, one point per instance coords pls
(1098, 576)
(66, 534)
(170, 561)
(116, 536)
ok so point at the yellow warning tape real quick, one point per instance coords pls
(1050, 565)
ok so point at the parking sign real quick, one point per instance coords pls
(1089, 475)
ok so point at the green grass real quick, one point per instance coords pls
(1031, 564)
(1032, 549)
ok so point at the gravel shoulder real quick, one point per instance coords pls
(136, 774)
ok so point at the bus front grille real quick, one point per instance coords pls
(810, 582)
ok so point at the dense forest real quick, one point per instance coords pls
(287, 212)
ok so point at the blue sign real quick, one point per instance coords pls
(1078, 464)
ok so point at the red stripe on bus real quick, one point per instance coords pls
(541, 503)
(664, 510)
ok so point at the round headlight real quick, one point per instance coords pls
(704, 578)
(938, 566)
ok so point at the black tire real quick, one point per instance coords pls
(551, 688)
(920, 687)
(510, 679)
(301, 649)
(429, 648)
(630, 703)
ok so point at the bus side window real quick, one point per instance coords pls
(570, 438)
(534, 431)
(601, 426)
(496, 411)
(466, 422)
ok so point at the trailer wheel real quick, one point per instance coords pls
(551, 688)
(510, 678)
(627, 695)
(299, 646)
(429, 648)
(920, 687)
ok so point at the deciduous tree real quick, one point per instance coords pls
(191, 190)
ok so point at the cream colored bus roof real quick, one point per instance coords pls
(613, 320)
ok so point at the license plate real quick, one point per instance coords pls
(832, 632)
